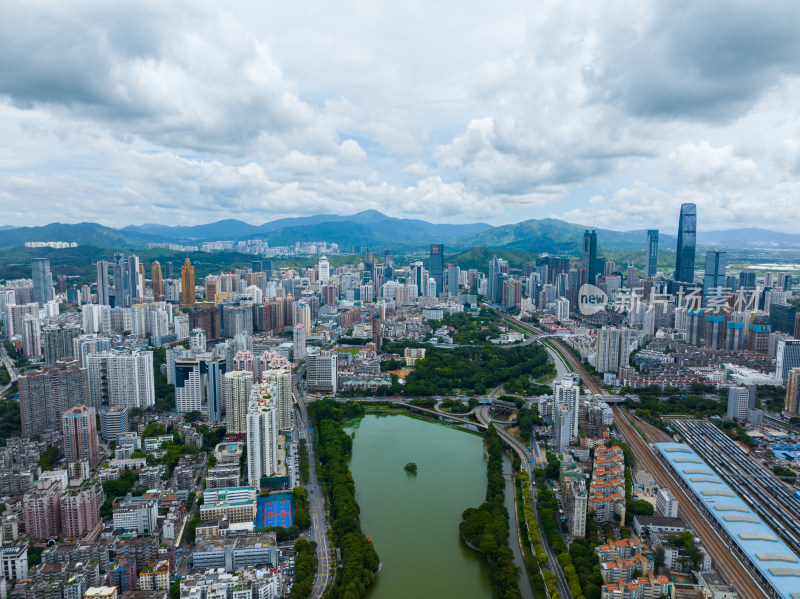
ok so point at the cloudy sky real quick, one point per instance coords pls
(605, 113)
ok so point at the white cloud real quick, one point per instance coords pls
(193, 111)
(702, 164)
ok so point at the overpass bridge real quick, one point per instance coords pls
(440, 414)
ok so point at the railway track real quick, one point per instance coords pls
(766, 495)
(726, 561)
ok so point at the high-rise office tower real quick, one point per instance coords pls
(113, 421)
(388, 264)
(652, 254)
(156, 280)
(42, 280)
(324, 270)
(122, 296)
(453, 275)
(793, 392)
(321, 373)
(298, 342)
(102, 283)
(747, 279)
(169, 270)
(187, 283)
(436, 267)
(135, 278)
(238, 385)
(716, 263)
(79, 427)
(739, 402)
(687, 239)
(787, 358)
(590, 256)
(198, 385)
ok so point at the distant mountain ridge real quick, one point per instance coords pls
(369, 229)
(375, 230)
(556, 236)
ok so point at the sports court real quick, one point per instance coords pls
(275, 510)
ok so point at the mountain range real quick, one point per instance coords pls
(373, 229)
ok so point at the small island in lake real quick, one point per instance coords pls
(411, 468)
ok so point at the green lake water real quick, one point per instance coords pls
(413, 519)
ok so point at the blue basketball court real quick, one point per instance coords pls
(275, 510)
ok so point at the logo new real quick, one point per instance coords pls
(591, 300)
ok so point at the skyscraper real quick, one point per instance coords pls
(238, 385)
(299, 342)
(716, 263)
(792, 406)
(42, 280)
(324, 270)
(652, 254)
(135, 278)
(566, 392)
(44, 395)
(122, 296)
(590, 256)
(102, 283)
(57, 342)
(79, 428)
(436, 267)
(117, 379)
(787, 358)
(156, 280)
(187, 283)
(687, 238)
(282, 381)
(262, 436)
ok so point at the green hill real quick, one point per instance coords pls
(479, 257)
(556, 237)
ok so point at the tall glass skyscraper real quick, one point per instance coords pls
(652, 254)
(716, 263)
(42, 280)
(687, 240)
(436, 267)
(590, 256)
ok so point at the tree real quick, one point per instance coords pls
(658, 558)
(411, 468)
(154, 429)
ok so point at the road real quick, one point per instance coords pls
(729, 565)
(9, 364)
(484, 417)
(319, 527)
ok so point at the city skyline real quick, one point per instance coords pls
(614, 117)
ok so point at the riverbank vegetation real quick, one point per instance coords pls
(359, 559)
(486, 528)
